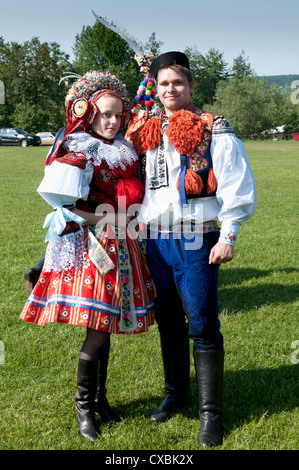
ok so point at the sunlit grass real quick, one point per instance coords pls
(258, 299)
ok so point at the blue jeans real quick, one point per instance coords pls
(187, 287)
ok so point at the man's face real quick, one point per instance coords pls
(173, 90)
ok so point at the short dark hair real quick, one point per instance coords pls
(179, 68)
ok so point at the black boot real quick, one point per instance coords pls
(86, 389)
(209, 374)
(176, 362)
(102, 407)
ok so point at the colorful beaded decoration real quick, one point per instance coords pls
(144, 99)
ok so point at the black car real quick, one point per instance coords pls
(14, 136)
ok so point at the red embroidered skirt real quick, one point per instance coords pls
(120, 301)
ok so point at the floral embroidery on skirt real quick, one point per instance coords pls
(120, 301)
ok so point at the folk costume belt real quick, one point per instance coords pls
(185, 227)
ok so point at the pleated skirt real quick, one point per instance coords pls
(120, 301)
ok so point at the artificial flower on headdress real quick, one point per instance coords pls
(93, 82)
(83, 94)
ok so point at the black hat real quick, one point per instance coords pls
(169, 58)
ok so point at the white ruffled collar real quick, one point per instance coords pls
(119, 154)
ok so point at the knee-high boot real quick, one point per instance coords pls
(176, 363)
(84, 399)
(102, 407)
(31, 276)
(209, 373)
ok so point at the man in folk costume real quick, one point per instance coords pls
(196, 174)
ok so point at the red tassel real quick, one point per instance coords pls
(212, 182)
(130, 191)
(193, 183)
(147, 137)
(185, 131)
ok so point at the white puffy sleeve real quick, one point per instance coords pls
(65, 181)
(65, 184)
(236, 189)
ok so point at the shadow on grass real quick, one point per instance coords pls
(252, 394)
(248, 395)
(233, 296)
(228, 275)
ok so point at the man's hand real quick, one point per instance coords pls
(221, 253)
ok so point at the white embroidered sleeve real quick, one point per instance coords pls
(236, 190)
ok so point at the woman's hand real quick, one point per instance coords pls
(120, 219)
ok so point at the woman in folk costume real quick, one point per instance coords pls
(94, 274)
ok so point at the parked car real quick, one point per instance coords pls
(14, 136)
(47, 138)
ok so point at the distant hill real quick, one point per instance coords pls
(283, 81)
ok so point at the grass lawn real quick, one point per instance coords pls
(258, 299)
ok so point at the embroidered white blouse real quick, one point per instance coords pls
(64, 184)
(235, 199)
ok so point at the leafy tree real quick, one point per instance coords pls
(153, 45)
(34, 99)
(99, 48)
(208, 70)
(252, 106)
(12, 60)
(31, 73)
(241, 67)
(291, 121)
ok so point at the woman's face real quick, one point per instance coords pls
(108, 118)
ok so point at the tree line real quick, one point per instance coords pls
(35, 94)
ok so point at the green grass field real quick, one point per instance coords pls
(258, 298)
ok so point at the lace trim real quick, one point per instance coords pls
(67, 252)
(119, 154)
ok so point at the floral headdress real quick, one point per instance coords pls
(93, 82)
(83, 94)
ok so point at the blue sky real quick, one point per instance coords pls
(268, 31)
